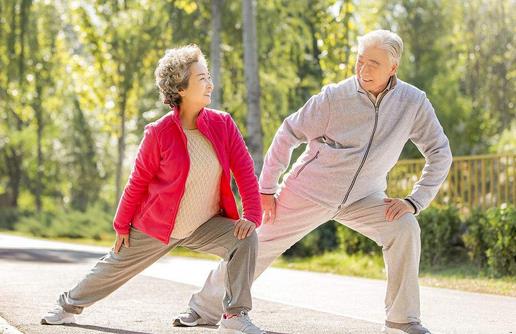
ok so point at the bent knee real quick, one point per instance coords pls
(409, 224)
(251, 241)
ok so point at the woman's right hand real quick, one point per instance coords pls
(269, 208)
(121, 239)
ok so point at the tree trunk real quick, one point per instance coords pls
(254, 125)
(13, 163)
(39, 126)
(121, 146)
(216, 15)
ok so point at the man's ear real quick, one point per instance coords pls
(394, 69)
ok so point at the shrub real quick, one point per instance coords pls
(8, 217)
(441, 230)
(316, 242)
(353, 242)
(474, 238)
(490, 239)
(94, 223)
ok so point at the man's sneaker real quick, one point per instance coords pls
(57, 316)
(408, 328)
(239, 324)
(189, 318)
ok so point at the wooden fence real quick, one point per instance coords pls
(481, 181)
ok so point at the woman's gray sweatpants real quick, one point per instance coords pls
(296, 217)
(214, 237)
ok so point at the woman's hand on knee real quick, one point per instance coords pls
(244, 228)
(121, 239)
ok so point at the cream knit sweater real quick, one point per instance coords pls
(200, 201)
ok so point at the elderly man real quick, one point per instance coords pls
(355, 131)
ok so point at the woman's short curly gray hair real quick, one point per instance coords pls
(173, 72)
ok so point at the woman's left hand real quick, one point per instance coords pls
(244, 228)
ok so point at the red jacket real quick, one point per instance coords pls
(156, 185)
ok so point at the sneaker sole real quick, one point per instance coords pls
(180, 323)
(229, 331)
(61, 322)
(389, 330)
(232, 331)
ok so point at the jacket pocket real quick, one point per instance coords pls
(307, 163)
(147, 206)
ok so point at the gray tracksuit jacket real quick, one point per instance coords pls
(354, 141)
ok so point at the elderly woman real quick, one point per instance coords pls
(179, 194)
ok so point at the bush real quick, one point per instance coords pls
(441, 230)
(316, 242)
(94, 223)
(8, 217)
(474, 238)
(353, 242)
(490, 240)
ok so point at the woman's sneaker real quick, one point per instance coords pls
(189, 318)
(239, 324)
(57, 316)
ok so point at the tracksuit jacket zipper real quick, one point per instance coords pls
(307, 163)
(376, 108)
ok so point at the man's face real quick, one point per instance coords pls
(374, 68)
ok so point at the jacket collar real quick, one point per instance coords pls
(201, 119)
(393, 81)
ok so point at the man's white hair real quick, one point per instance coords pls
(384, 39)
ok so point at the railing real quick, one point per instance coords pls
(481, 181)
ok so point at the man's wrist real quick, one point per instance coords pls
(414, 207)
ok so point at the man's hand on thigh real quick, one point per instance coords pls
(269, 208)
(395, 208)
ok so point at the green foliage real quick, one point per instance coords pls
(9, 217)
(474, 238)
(353, 242)
(94, 223)
(316, 242)
(440, 236)
(490, 239)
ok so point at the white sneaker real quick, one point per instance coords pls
(240, 324)
(57, 316)
(189, 318)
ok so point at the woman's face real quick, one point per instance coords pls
(200, 86)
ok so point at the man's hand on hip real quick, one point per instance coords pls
(395, 208)
(269, 208)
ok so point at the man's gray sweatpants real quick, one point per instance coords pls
(214, 237)
(296, 217)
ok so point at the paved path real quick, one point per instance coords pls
(33, 272)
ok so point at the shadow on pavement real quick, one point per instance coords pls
(122, 331)
(47, 255)
(105, 329)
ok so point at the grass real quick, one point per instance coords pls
(463, 277)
